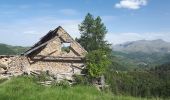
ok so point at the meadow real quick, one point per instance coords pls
(26, 88)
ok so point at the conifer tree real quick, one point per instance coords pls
(93, 33)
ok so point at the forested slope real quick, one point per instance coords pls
(11, 50)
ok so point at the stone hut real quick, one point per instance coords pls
(56, 53)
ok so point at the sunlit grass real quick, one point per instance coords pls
(25, 88)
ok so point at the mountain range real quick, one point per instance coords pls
(142, 54)
(145, 46)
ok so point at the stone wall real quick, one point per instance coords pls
(76, 46)
(60, 70)
(54, 48)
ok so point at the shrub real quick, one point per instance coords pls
(97, 62)
(62, 83)
(42, 77)
(82, 80)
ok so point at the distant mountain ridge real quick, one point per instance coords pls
(145, 46)
(11, 50)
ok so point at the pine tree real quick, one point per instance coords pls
(93, 33)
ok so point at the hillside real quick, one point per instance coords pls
(142, 54)
(11, 50)
(25, 88)
(140, 60)
(145, 46)
(147, 83)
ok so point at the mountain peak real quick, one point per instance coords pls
(146, 46)
(160, 40)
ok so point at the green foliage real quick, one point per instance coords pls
(18, 49)
(93, 32)
(163, 72)
(138, 60)
(62, 83)
(5, 50)
(152, 83)
(11, 50)
(81, 80)
(42, 77)
(97, 62)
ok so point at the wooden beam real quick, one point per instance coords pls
(58, 59)
(31, 50)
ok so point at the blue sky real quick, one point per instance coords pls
(23, 22)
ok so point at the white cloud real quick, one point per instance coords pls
(68, 11)
(124, 37)
(25, 32)
(131, 4)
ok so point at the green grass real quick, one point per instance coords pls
(25, 88)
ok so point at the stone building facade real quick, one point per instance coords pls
(56, 53)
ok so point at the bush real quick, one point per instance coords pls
(63, 84)
(97, 62)
(82, 80)
(42, 77)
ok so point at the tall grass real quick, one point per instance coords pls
(25, 88)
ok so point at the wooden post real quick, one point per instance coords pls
(102, 79)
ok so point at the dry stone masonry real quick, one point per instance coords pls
(50, 55)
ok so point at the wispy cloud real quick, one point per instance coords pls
(68, 11)
(124, 37)
(131, 4)
(26, 32)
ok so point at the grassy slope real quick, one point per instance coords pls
(24, 88)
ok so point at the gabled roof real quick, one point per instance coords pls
(50, 36)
